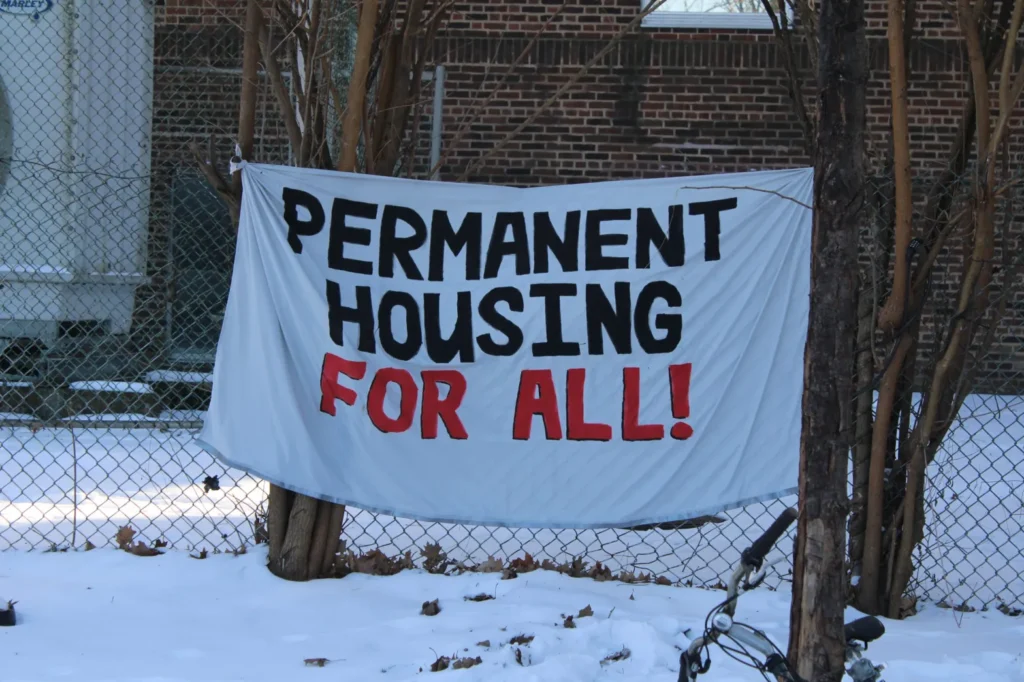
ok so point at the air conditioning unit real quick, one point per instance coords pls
(76, 91)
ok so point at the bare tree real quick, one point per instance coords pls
(893, 445)
(383, 91)
(959, 201)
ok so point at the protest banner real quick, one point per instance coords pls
(605, 354)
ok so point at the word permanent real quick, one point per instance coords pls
(417, 248)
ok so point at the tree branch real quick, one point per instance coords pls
(284, 102)
(352, 123)
(893, 312)
(784, 37)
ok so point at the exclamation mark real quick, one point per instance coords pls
(679, 381)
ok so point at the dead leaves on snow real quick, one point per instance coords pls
(7, 615)
(483, 596)
(430, 608)
(374, 562)
(455, 663)
(620, 655)
(126, 534)
(436, 561)
(569, 621)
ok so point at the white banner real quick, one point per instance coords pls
(607, 354)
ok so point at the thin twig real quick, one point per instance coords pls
(751, 189)
(780, 26)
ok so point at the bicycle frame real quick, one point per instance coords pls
(751, 571)
(722, 624)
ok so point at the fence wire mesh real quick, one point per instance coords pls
(115, 258)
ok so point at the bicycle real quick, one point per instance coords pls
(720, 624)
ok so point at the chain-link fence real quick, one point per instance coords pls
(115, 257)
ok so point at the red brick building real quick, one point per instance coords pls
(681, 94)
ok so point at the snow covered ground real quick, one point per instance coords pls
(111, 616)
(59, 485)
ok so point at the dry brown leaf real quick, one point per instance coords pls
(519, 656)
(434, 559)
(141, 549)
(662, 580)
(316, 662)
(480, 597)
(124, 537)
(600, 573)
(524, 565)
(202, 554)
(375, 562)
(485, 644)
(440, 664)
(463, 663)
(89, 546)
(568, 622)
(585, 612)
(578, 568)
(620, 655)
(521, 639)
(430, 608)
(159, 544)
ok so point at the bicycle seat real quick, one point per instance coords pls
(866, 629)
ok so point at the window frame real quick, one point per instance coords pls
(757, 21)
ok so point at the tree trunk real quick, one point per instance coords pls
(305, 532)
(816, 645)
(250, 74)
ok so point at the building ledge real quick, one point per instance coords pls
(714, 20)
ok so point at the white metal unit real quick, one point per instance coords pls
(75, 124)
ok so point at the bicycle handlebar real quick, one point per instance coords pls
(754, 555)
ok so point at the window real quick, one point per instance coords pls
(744, 14)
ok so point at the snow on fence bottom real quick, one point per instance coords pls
(65, 486)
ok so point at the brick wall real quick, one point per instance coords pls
(197, 72)
(663, 102)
